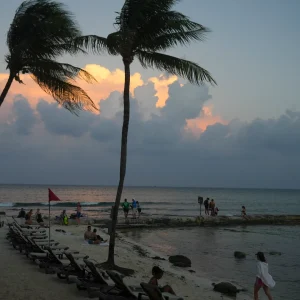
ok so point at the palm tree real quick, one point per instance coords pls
(144, 30)
(42, 31)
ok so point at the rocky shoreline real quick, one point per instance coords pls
(220, 221)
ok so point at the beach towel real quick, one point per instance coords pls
(101, 244)
(263, 274)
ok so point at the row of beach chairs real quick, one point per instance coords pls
(74, 267)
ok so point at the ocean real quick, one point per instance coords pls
(210, 249)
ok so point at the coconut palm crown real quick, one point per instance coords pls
(40, 33)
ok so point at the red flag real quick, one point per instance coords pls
(52, 196)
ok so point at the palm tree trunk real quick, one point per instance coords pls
(111, 252)
(6, 88)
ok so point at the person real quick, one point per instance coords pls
(133, 206)
(138, 208)
(97, 241)
(244, 214)
(22, 214)
(206, 202)
(64, 218)
(216, 211)
(78, 213)
(157, 273)
(263, 278)
(28, 220)
(38, 217)
(94, 235)
(88, 234)
(212, 207)
(125, 206)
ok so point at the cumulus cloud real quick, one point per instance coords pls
(178, 143)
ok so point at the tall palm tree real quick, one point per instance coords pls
(144, 30)
(41, 32)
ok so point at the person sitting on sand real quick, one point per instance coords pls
(28, 220)
(94, 235)
(64, 218)
(88, 234)
(38, 217)
(125, 206)
(263, 278)
(22, 214)
(157, 273)
(97, 241)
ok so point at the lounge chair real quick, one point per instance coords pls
(154, 293)
(135, 292)
(95, 282)
(73, 269)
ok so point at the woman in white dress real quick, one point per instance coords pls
(263, 278)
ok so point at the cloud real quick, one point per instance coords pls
(180, 143)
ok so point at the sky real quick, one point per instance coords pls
(244, 132)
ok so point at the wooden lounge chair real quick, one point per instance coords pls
(135, 292)
(154, 293)
(75, 268)
(95, 282)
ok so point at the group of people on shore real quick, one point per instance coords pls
(210, 207)
(28, 217)
(134, 206)
(92, 237)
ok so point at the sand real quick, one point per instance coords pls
(22, 279)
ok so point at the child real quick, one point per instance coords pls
(263, 278)
(158, 273)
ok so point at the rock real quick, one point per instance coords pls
(192, 271)
(180, 261)
(158, 258)
(239, 254)
(226, 288)
(275, 253)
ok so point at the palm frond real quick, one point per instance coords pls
(70, 96)
(167, 41)
(176, 66)
(94, 43)
(134, 12)
(59, 70)
(38, 27)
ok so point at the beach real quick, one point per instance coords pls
(18, 271)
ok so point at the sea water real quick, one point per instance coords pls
(160, 201)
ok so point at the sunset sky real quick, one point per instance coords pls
(242, 133)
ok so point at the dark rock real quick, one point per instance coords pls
(158, 258)
(226, 288)
(239, 255)
(140, 251)
(275, 253)
(180, 261)
(192, 271)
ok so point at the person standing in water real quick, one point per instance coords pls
(125, 206)
(212, 207)
(206, 203)
(138, 208)
(78, 213)
(263, 278)
(133, 206)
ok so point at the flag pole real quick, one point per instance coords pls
(49, 223)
